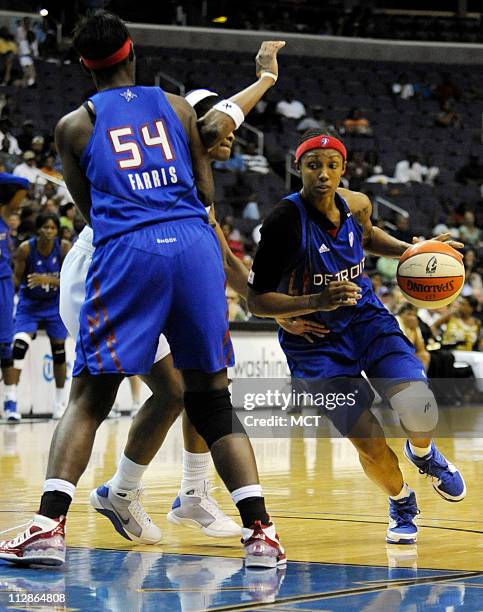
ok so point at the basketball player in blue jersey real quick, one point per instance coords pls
(310, 262)
(13, 190)
(37, 270)
(141, 177)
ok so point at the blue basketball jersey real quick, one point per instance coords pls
(324, 257)
(5, 250)
(38, 264)
(138, 163)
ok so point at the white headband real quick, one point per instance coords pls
(195, 96)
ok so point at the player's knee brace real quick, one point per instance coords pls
(21, 344)
(58, 353)
(212, 414)
(416, 407)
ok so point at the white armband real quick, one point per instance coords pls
(232, 110)
(269, 74)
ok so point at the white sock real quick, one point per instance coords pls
(404, 492)
(128, 475)
(57, 484)
(196, 468)
(244, 492)
(419, 451)
(10, 393)
(59, 395)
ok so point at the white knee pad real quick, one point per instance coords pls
(21, 343)
(416, 407)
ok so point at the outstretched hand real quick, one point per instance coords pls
(446, 237)
(266, 59)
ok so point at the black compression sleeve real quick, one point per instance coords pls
(280, 239)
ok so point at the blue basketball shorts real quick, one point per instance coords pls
(6, 317)
(31, 316)
(373, 343)
(167, 278)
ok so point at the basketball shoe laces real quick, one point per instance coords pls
(21, 537)
(403, 512)
(136, 508)
(436, 466)
(209, 502)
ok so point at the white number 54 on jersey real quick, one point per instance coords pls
(130, 146)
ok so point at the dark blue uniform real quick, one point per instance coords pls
(157, 265)
(365, 337)
(39, 307)
(6, 292)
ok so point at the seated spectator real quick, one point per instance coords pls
(358, 170)
(67, 214)
(446, 90)
(27, 222)
(462, 328)
(251, 210)
(234, 239)
(24, 139)
(66, 233)
(403, 231)
(255, 162)
(314, 121)
(234, 164)
(290, 108)
(448, 226)
(473, 283)
(448, 117)
(387, 267)
(8, 53)
(412, 170)
(409, 324)
(38, 147)
(14, 224)
(235, 311)
(403, 88)
(355, 124)
(28, 169)
(8, 142)
(27, 50)
(471, 173)
(51, 206)
(49, 168)
(469, 233)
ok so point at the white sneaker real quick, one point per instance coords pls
(196, 508)
(41, 543)
(126, 513)
(59, 409)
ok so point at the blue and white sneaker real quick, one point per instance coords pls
(445, 478)
(402, 529)
(10, 411)
(126, 513)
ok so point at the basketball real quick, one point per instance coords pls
(431, 274)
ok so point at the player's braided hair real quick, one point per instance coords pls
(99, 34)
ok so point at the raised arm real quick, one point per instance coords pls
(216, 124)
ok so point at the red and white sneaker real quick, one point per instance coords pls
(42, 543)
(262, 546)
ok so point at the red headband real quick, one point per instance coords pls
(110, 60)
(321, 142)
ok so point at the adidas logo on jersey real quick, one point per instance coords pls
(324, 248)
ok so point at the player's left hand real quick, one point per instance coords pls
(37, 280)
(446, 237)
(266, 59)
(304, 327)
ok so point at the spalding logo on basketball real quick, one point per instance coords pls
(431, 274)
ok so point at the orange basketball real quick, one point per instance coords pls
(431, 274)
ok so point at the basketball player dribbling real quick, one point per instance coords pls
(141, 177)
(310, 261)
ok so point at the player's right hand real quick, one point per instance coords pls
(266, 59)
(337, 294)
